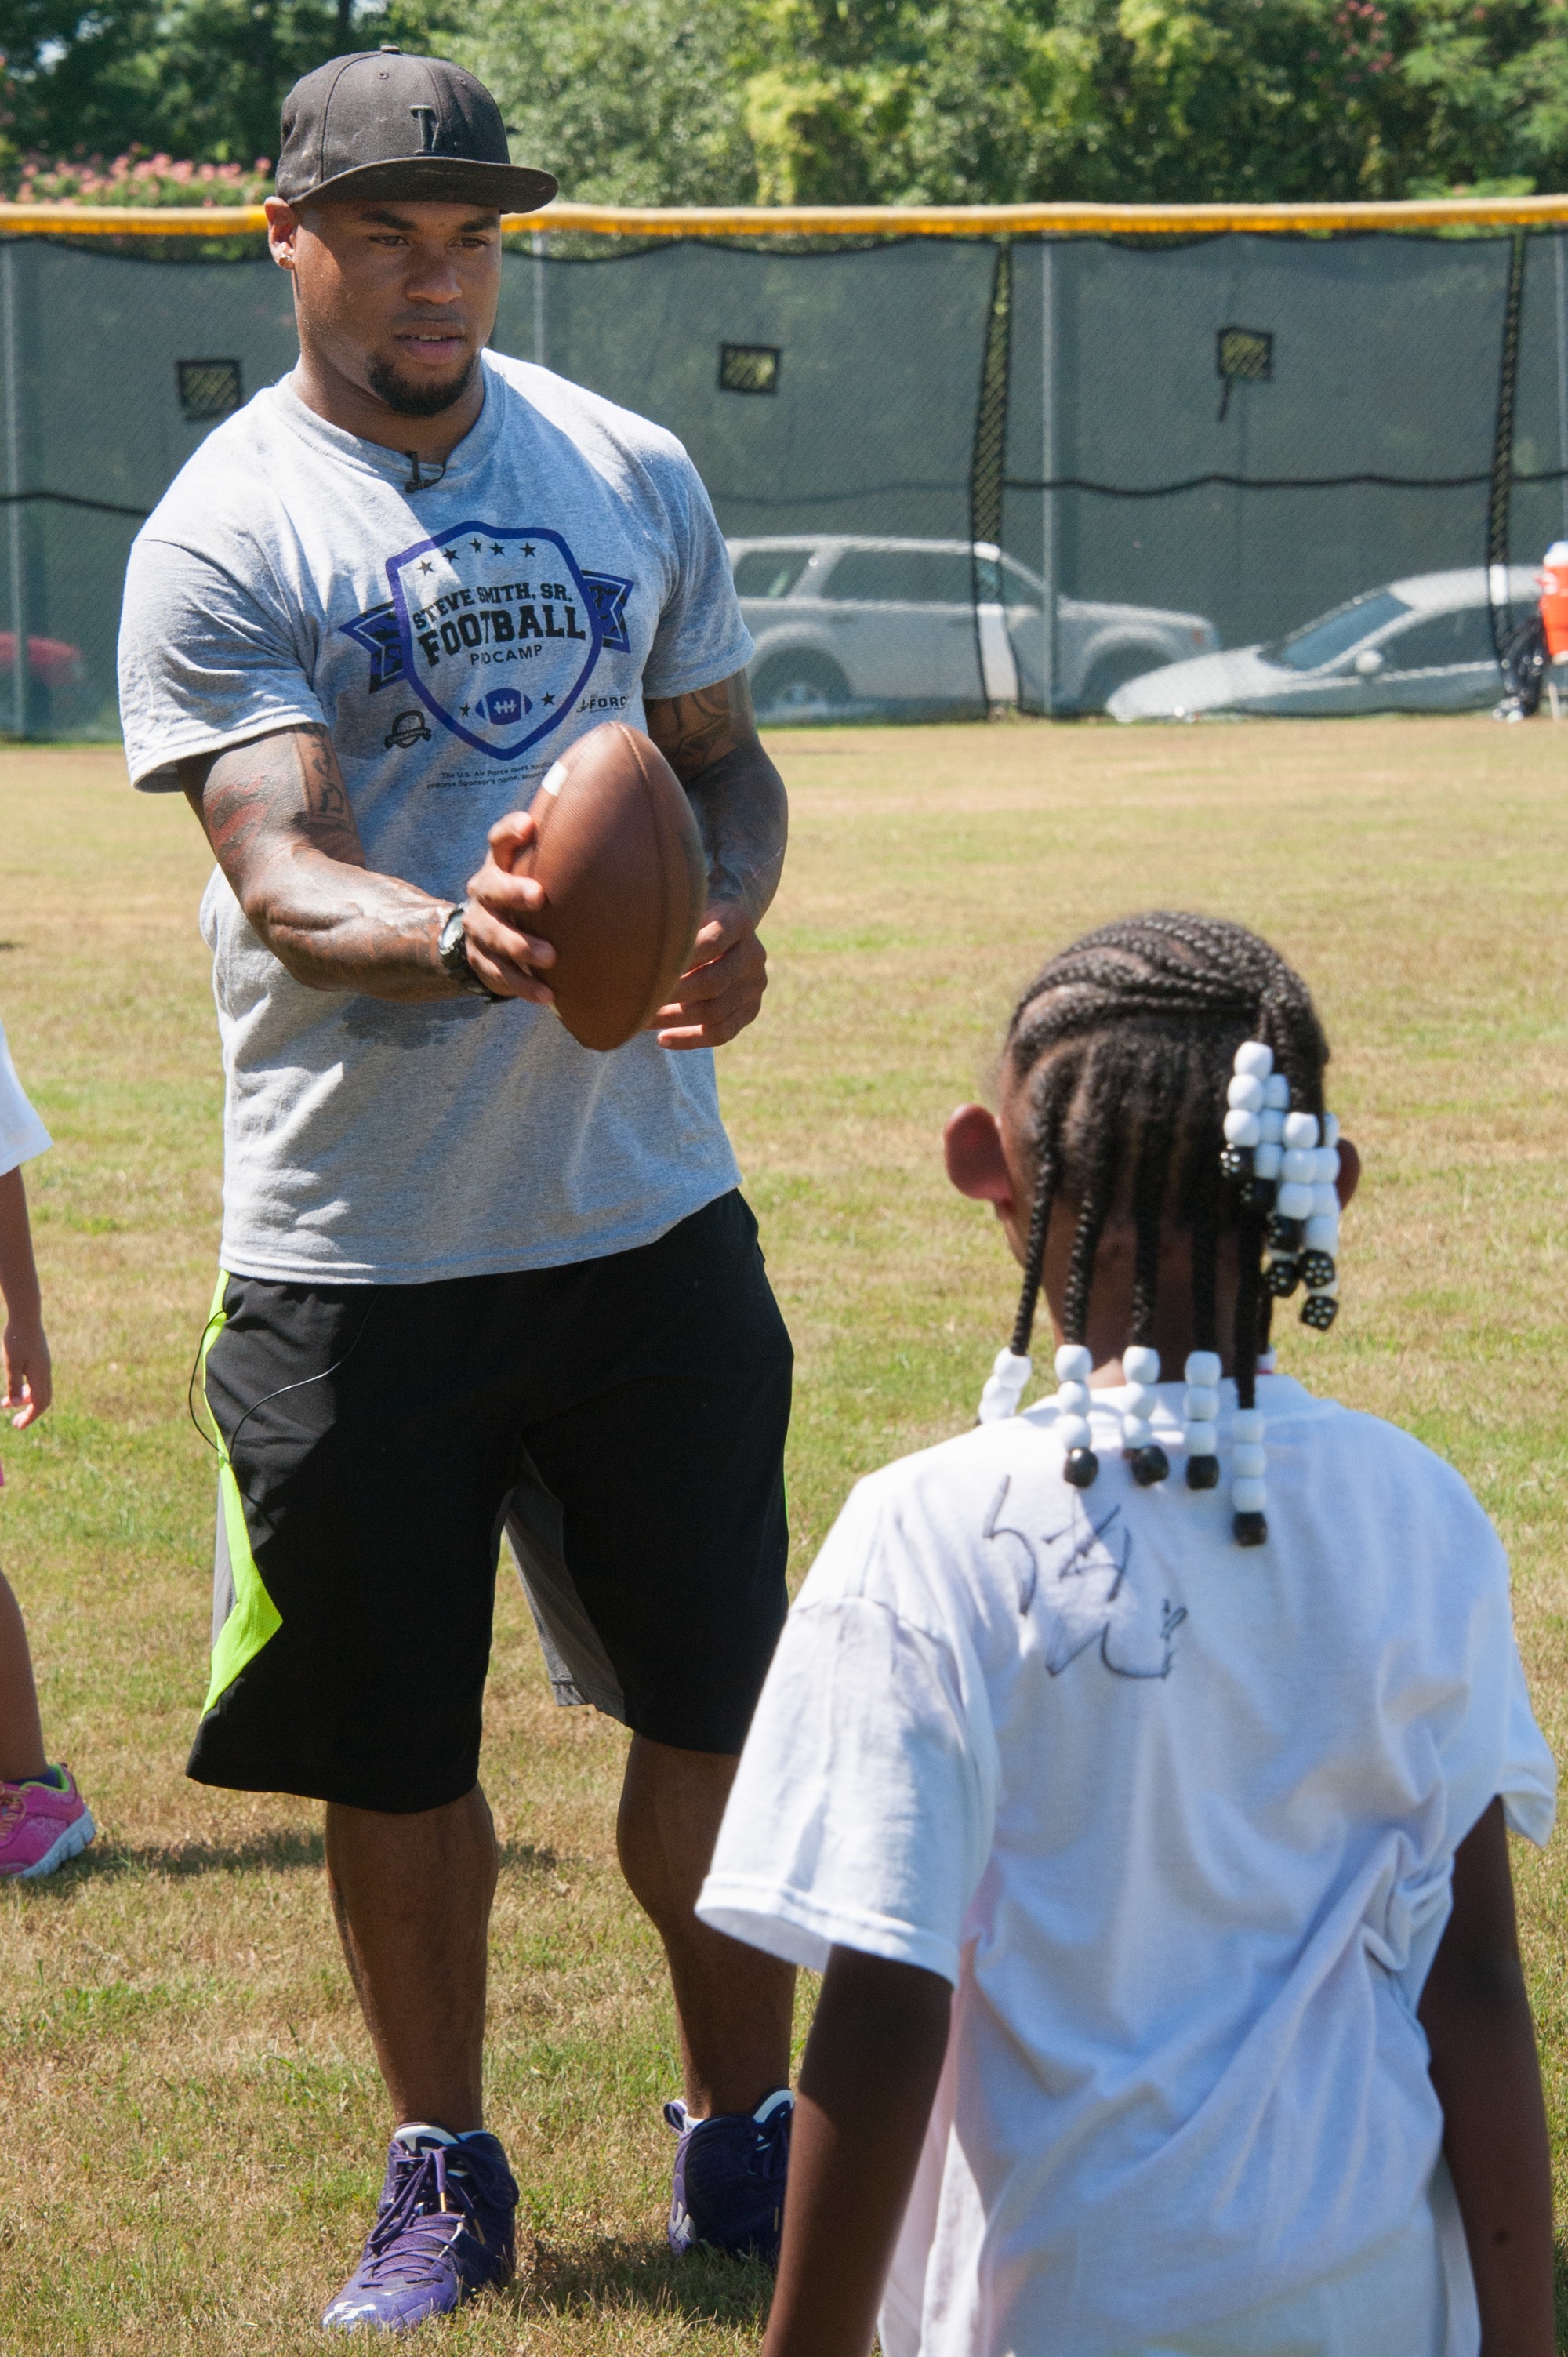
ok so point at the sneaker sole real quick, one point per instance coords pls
(70, 1843)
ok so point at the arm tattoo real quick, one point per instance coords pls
(710, 742)
(277, 816)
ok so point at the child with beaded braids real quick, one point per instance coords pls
(1146, 1806)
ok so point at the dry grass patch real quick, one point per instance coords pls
(189, 2124)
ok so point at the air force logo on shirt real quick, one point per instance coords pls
(496, 629)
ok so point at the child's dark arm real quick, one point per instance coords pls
(24, 1353)
(1475, 2013)
(869, 2074)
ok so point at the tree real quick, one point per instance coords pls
(852, 100)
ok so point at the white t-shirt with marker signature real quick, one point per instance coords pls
(1178, 1820)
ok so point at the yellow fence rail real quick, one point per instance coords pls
(845, 220)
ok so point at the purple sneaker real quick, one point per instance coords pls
(729, 2178)
(444, 2229)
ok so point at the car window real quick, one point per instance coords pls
(1463, 637)
(769, 572)
(903, 577)
(1316, 643)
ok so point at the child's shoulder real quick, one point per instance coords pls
(926, 1523)
(1377, 1462)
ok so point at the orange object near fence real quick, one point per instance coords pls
(1553, 580)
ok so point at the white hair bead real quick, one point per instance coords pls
(1330, 1129)
(1324, 1204)
(1246, 1090)
(1301, 1129)
(1140, 1364)
(1202, 1440)
(1140, 1400)
(1300, 1165)
(1241, 1128)
(1249, 1458)
(1248, 1495)
(1137, 1432)
(1267, 1158)
(1254, 1055)
(1074, 1431)
(1272, 1126)
(1005, 1387)
(1202, 1367)
(1201, 1405)
(1074, 1364)
(1294, 1201)
(1073, 1399)
(1323, 1232)
(1327, 1169)
(1247, 1424)
(1276, 1093)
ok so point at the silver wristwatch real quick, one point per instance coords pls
(452, 950)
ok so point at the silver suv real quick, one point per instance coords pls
(857, 625)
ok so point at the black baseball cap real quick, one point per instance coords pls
(380, 125)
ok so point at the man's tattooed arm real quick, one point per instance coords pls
(710, 742)
(277, 816)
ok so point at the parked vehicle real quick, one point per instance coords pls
(1423, 644)
(847, 624)
(52, 660)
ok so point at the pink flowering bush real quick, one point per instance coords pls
(139, 180)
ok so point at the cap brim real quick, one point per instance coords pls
(437, 180)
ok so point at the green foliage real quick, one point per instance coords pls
(872, 100)
(194, 78)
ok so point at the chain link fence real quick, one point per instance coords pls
(1238, 472)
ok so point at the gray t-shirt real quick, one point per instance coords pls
(453, 640)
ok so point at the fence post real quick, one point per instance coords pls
(10, 341)
(1560, 255)
(1500, 500)
(1047, 476)
(536, 242)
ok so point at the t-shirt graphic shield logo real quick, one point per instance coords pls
(499, 634)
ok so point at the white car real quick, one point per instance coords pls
(1423, 644)
(857, 624)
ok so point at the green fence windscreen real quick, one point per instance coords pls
(953, 473)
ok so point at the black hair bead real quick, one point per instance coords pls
(1236, 1162)
(1286, 1235)
(1250, 1530)
(1282, 1275)
(1081, 1468)
(1317, 1271)
(1203, 1473)
(1149, 1464)
(1319, 1310)
(1258, 1193)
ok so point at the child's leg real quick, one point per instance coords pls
(21, 1733)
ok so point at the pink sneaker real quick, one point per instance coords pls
(42, 1824)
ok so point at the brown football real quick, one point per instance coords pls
(625, 882)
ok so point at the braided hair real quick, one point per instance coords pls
(1125, 1043)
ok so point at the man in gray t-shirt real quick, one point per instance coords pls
(472, 1275)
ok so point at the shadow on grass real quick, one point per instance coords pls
(276, 1852)
(702, 2287)
(178, 1861)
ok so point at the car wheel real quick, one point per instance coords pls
(800, 686)
(1114, 670)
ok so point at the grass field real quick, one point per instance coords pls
(191, 2127)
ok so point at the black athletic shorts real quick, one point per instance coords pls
(623, 1421)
